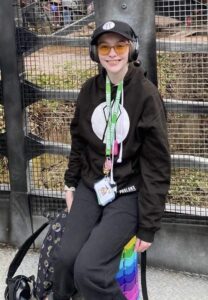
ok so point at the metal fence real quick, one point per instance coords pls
(182, 36)
(53, 62)
(54, 72)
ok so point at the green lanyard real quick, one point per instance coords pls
(113, 114)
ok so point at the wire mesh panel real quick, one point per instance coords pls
(4, 177)
(4, 173)
(54, 66)
(46, 17)
(182, 38)
(53, 39)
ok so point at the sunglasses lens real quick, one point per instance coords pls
(103, 49)
(120, 48)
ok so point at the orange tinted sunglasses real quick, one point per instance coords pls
(120, 48)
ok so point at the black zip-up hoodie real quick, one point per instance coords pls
(145, 165)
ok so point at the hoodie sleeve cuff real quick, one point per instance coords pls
(145, 235)
(70, 183)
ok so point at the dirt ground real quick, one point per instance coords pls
(53, 60)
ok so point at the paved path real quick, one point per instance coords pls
(162, 284)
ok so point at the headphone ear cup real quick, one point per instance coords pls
(134, 50)
(94, 53)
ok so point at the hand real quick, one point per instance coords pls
(69, 199)
(141, 246)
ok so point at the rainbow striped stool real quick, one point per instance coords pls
(127, 276)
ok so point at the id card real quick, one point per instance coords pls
(104, 191)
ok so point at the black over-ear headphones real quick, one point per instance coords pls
(133, 50)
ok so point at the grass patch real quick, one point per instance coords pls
(4, 173)
(47, 171)
(189, 187)
(70, 78)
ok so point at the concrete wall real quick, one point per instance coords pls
(4, 218)
(181, 247)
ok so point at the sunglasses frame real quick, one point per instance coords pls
(125, 44)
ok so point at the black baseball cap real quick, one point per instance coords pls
(114, 26)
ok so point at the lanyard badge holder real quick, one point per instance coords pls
(106, 187)
(104, 191)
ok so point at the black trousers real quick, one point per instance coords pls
(92, 243)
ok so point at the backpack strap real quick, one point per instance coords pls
(143, 275)
(10, 290)
(22, 252)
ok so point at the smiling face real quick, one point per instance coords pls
(113, 53)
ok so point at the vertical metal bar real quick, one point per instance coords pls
(140, 14)
(17, 12)
(20, 221)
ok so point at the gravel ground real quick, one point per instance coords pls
(162, 284)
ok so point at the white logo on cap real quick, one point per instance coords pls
(109, 25)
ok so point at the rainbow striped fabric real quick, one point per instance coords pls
(127, 276)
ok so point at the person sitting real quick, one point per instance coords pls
(118, 173)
